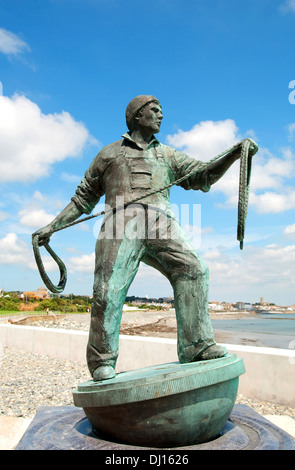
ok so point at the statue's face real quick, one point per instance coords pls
(150, 118)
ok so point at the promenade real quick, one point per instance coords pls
(30, 380)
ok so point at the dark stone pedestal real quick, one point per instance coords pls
(67, 428)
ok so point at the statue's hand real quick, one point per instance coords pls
(253, 147)
(43, 235)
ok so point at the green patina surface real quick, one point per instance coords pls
(139, 168)
(166, 405)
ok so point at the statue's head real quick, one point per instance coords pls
(135, 106)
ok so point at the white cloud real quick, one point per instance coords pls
(256, 272)
(212, 254)
(82, 226)
(145, 272)
(13, 250)
(151, 282)
(147, 278)
(269, 192)
(270, 171)
(34, 213)
(31, 142)
(84, 263)
(208, 229)
(3, 216)
(289, 231)
(246, 275)
(207, 139)
(287, 6)
(11, 44)
(291, 130)
(39, 196)
(275, 203)
(70, 178)
(35, 219)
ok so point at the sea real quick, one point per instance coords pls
(267, 329)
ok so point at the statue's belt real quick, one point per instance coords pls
(244, 184)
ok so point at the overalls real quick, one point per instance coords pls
(147, 232)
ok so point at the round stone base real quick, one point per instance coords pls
(67, 428)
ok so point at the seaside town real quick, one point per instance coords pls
(43, 299)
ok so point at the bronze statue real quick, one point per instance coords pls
(138, 167)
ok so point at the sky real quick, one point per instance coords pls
(222, 70)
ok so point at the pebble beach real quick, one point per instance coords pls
(29, 381)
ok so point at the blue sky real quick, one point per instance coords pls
(223, 70)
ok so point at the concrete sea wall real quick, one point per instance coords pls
(270, 372)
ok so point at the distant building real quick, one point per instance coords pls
(39, 294)
(216, 306)
(248, 306)
(243, 306)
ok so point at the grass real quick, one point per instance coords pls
(28, 312)
(9, 312)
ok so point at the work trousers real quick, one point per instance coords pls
(163, 245)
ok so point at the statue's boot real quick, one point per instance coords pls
(103, 373)
(212, 352)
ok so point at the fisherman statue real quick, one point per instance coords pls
(138, 168)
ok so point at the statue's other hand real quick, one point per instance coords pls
(43, 235)
(253, 147)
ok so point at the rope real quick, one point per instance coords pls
(245, 171)
(152, 193)
(62, 269)
(244, 185)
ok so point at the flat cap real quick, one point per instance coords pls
(135, 105)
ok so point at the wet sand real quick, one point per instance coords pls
(227, 327)
(163, 324)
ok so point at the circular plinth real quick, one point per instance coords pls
(67, 428)
(163, 406)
